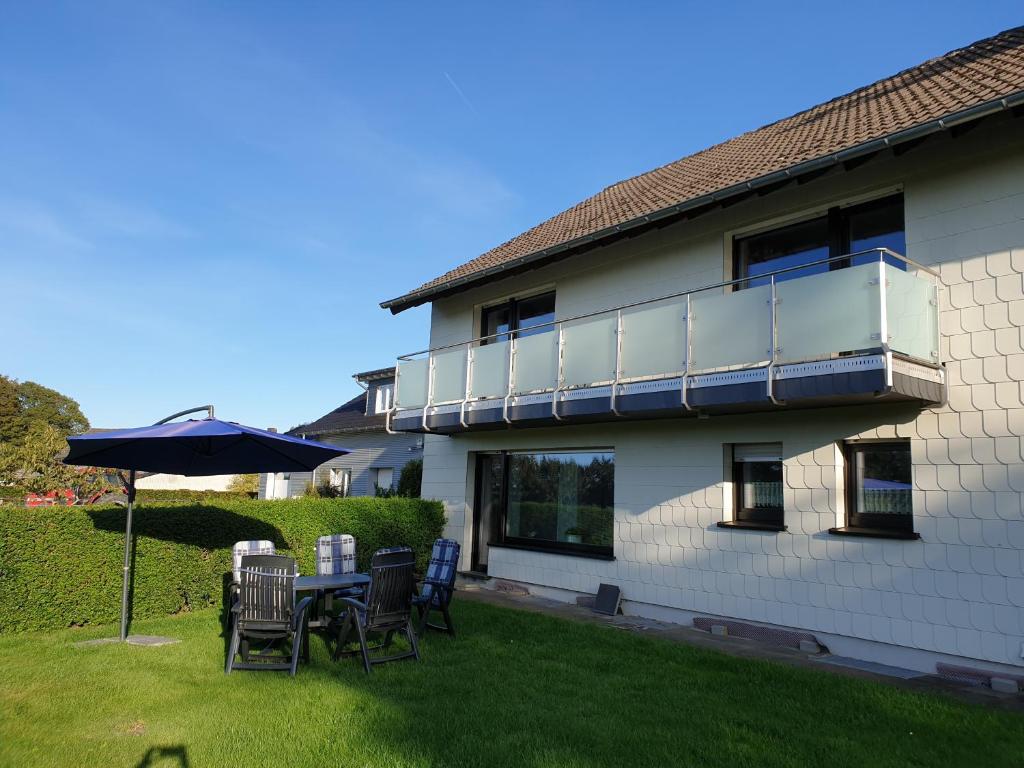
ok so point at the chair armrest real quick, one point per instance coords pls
(352, 602)
(300, 610)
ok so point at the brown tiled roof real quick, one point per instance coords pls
(979, 74)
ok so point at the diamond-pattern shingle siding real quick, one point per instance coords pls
(984, 71)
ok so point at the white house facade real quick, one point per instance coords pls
(796, 404)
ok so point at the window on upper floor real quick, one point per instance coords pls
(879, 489)
(385, 398)
(522, 316)
(841, 231)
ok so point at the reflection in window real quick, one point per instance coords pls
(839, 232)
(520, 315)
(385, 398)
(757, 479)
(880, 493)
(781, 248)
(564, 500)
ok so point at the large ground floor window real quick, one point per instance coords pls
(548, 500)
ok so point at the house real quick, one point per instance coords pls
(777, 382)
(161, 481)
(376, 457)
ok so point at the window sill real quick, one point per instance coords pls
(875, 533)
(750, 525)
(551, 550)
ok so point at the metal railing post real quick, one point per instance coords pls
(618, 363)
(687, 353)
(774, 350)
(389, 415)
(465, 391)
(511, 378)
(430, 391)
(558, 375)
(884, 319)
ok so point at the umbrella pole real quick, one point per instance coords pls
(127, 557)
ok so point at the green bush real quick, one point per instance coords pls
(61, 566)
(411, 479)
(179, 495)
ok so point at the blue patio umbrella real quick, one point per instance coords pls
(194, 447)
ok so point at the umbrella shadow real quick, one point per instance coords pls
(198, 525)
(171, 756)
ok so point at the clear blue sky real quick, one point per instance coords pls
(206, 202)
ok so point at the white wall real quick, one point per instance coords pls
(959, 591)
(182, 482)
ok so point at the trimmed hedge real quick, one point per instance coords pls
(61, 566)
(179, 495)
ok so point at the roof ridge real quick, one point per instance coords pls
(964, 78)
(833, 100)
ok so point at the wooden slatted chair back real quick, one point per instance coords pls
(266, 591)
(392, 582)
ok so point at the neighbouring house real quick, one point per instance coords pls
(777, 382)
(376, 459)
(165, 482)
(160, 481)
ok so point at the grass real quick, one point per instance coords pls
(513, 689)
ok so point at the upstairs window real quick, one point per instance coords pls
(839, 232)
(385, 398)
(518, 316)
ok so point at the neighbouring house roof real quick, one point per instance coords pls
(350, 417)
(960, 86)
(379, 373)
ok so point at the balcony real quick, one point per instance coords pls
(862, 328)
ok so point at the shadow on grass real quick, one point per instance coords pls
(176, 756)
(198, 525)
(520, 689)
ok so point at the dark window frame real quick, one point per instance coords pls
(498, 523)
(512, 306)
(838, 225)
(865, 522)
(771, 516)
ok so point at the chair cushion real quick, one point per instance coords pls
(440, 578)
(251, 547)
(335, 554)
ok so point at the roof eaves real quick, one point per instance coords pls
(978, 111)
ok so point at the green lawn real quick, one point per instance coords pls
(513, 689)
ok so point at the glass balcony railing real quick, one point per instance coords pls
(871, 302)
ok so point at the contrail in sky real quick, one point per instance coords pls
(462, 96)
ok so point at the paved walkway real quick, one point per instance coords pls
(740, 647)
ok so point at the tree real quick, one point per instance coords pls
(245, 484)
(42, 404)
(36, 464)
(26, 403)
(10, 427)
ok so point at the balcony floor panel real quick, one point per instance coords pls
(844, 381)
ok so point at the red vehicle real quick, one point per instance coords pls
(67, 498)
